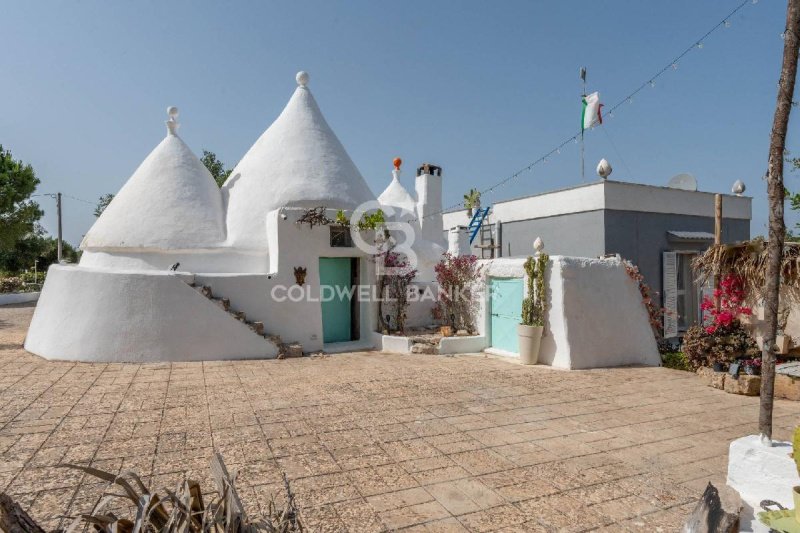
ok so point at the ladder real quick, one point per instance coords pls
(476, 222)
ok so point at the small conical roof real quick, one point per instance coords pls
(395, 195)
(297, 162)
(170, 202)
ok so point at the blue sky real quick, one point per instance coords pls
(480, 88)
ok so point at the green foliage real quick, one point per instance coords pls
(472, 198)
(341, 218)
(675, 360)
(370, 220)
(102, 203)
(18, 214)
(35, 248)
(796, 448)
(534, 305)
(215, 167)
(724, 345)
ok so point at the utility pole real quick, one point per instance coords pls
(777, 226)
(60, 241)
(583, 95)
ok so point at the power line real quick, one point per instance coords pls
(673, 64)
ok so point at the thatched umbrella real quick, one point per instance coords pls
(748, 261)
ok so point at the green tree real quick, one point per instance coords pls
(216, 167)
(36, 248)
(102, 203)
(18, 214)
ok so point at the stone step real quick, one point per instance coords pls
(290, 349)
(224, 303)
(205, 290)
(424, 348)
(258, 327)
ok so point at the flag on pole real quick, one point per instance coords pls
(592, 111)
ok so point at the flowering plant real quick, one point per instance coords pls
(456, 275)
(395, 286)
(654, 313)
(755, 362)
(731, 296)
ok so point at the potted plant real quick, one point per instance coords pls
(752, 367)
(534, 306)
(472, 200)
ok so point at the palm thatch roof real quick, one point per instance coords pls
(748, 261)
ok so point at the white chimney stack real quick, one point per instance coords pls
(428, 187)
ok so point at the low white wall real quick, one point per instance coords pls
(471, 344)
(95, 315)
(392, 343)
(18, 298)
(759, 473)
(595, 315)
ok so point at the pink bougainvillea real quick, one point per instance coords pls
(457, 304)
(731, 296)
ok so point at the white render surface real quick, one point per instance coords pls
(298, 161)
(97, 315)
(614, 195)
(396, 196)
(759, 473)
(170, 202)
(595, 315)
(18, 298)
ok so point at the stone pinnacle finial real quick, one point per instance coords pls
(538, 245)
(302, 78)
(172, 123)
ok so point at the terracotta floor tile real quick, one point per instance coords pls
(364, 436)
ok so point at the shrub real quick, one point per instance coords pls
(731, 296)
(675, 360)
(10, 284)
(456, 304)
(396, 284)
(724, 344)
(186, 509)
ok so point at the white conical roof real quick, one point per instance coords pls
(395, 195)
(170, 202)
(297, 162)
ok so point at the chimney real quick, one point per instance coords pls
(429, 203)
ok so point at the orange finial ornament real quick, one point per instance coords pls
(397, 162)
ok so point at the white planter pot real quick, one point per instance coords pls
(530, 338)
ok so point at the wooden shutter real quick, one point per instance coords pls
(670, 294)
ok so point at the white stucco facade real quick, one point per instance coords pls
(177, 269)
(595, 315)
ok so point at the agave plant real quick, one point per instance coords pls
(180, 511)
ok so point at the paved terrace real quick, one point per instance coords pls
(375, 442)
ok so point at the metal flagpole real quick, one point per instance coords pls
(583, 79)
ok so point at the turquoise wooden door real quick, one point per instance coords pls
(335, 280)
(505, 311)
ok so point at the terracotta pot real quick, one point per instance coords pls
(446, 331)
(530, 339)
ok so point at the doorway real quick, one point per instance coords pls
(505, 310)
(338, 278)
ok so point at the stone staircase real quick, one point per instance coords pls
(285, 349)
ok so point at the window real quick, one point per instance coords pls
(340, 237)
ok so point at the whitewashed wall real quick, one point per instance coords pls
(595, 317)
(93, 315)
